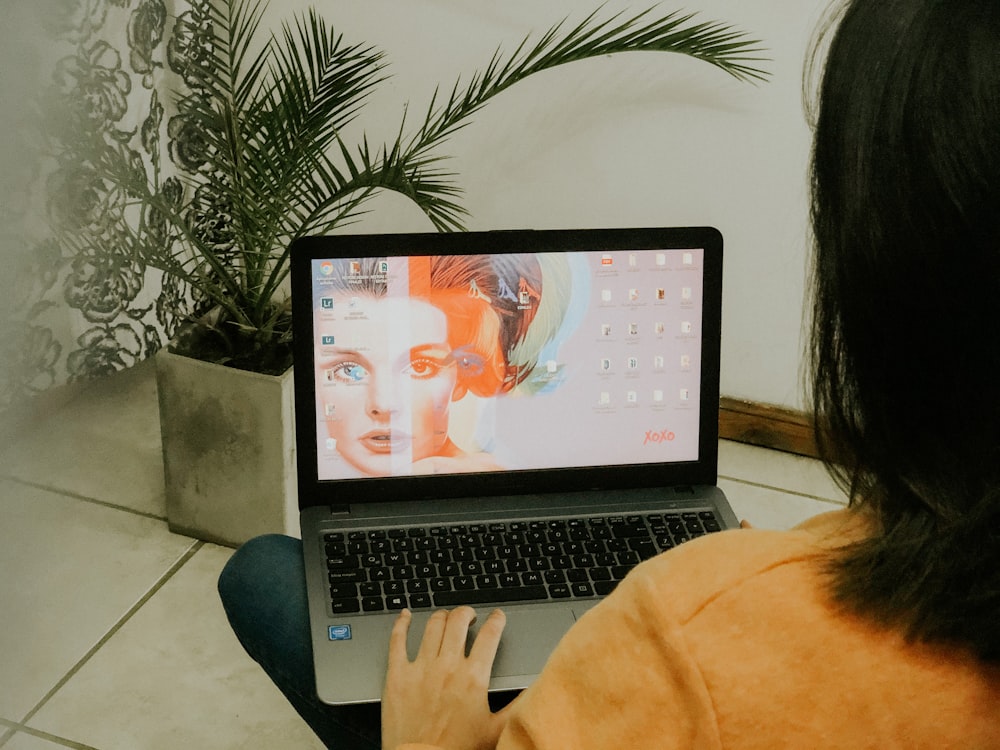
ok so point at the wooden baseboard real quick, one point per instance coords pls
(767, 426)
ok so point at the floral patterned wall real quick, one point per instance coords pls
(80, 305)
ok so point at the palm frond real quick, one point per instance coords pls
(273, 162)
(716, 43)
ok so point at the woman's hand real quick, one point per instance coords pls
(440, 698)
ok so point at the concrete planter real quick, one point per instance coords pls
(228, 450)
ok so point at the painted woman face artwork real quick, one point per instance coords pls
(399, 349)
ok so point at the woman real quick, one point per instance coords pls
(873, 627)
(387, 397)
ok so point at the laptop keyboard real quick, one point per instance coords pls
(420, 567)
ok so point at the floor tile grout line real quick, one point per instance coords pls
(133, 610)
(784, 490)
(11, 731)
(83, 498)
(54, 738)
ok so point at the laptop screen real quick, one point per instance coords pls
(493, 358)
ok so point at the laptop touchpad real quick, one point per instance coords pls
(528, 639)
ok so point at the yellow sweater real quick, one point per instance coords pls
(730, 641)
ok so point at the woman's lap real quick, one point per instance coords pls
(263, 593)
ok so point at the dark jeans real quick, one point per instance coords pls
(264, 594)
(263, 591)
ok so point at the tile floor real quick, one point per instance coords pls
(111, 634)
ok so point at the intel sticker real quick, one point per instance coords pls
(340, 632)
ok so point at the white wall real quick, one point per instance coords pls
(639, 139)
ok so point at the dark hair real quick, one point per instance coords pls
(905, 344)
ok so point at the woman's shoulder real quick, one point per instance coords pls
(691, 576)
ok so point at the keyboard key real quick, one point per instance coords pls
(628, 558)
(581, 589)
(490, 596)
(395, 602)
(620, 571)
(559, 591)
(347, 576)
(643, 547)
(420, 601)
(372, 604)
(531, 579)
(417, 558)
(603, 588)
(344, 606)
(343, 590)
(346, 562)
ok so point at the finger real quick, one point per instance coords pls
(456, 632)
(430, 645)
(397, 640)
(484, 650)
(744, 524)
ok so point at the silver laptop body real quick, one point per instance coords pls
(484, 411)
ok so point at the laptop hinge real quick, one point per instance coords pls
(340, 510)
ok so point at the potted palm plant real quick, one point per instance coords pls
(259, 134)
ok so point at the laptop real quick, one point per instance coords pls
(507, 419)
